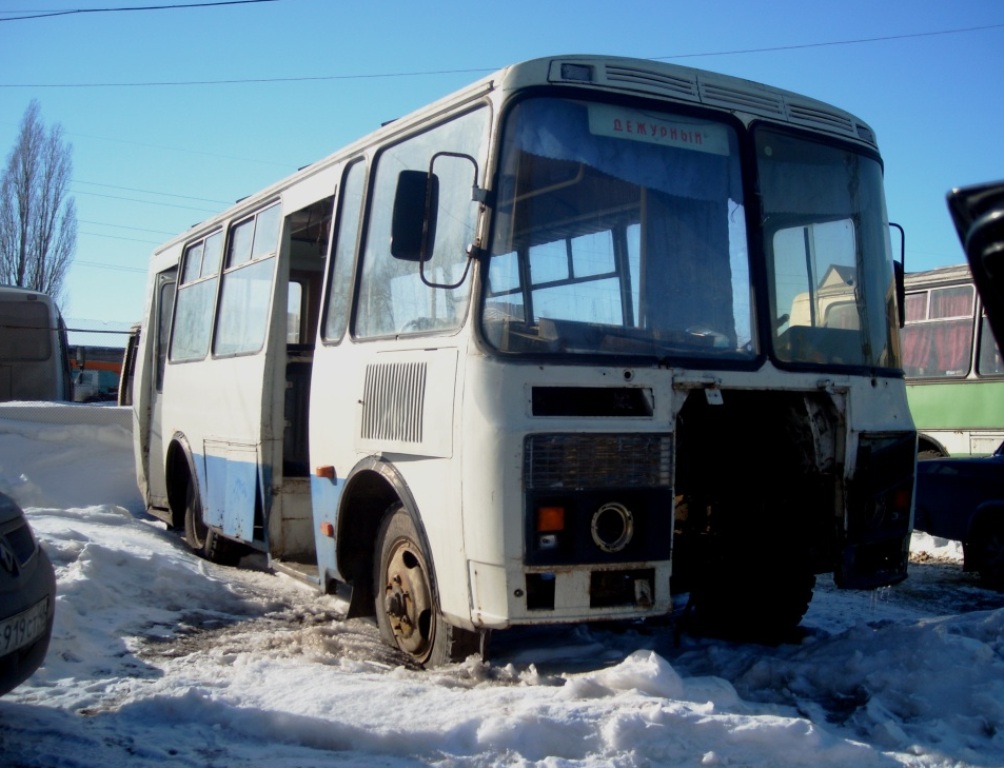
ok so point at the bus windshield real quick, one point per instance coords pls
(618, 231)
(832, 288)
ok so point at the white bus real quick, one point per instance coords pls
(525, 357)
(34, 357)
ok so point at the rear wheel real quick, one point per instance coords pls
(201, 538)
(407, 611)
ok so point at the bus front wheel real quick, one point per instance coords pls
(407, 612)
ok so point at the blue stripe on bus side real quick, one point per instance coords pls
(228, 491)
(324, 497)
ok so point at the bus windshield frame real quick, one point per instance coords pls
(623, 230)
(831, 283)
(583, 196)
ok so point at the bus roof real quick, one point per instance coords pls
(956, 273)
(616, 74)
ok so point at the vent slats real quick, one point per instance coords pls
(802, 113)
(598, 461)
(761, 103)
(652, 81)
(394, 402)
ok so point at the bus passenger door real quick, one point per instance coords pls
(155, 439)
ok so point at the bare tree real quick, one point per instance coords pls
(38, 218)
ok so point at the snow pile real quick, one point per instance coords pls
(159, 658)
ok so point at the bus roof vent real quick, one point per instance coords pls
(653, 82)
(826, 119)
(760, 103)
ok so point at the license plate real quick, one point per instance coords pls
(24, 628)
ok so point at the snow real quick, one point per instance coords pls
(159, 658)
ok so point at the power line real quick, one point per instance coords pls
(119, 237)
(857, 41)
(152, 192)
(151, 202)
(251, 81)
(114, 267)
(172, 7)
(124, 226)
(427, 73)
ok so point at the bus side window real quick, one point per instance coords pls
(336, 314)
(393, 297)
(989, 362)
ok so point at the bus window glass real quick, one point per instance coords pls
(193, 264)
(340, 289)
(241, 239)
(618, 231)
(294, 313)
(819, 255)
(266, 232)
(939, 343)
(393, 299)
(955, 301)
(196, 297)
(916, 306)
(827, 242)
(246, 295)
(211, 254)
(583, 285)
(989, 362)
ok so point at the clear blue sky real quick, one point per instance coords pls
(152, 159)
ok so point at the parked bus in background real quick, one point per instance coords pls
(526, 357)
(953, 366)
(34, 359)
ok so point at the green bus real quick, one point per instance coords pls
(953, 367)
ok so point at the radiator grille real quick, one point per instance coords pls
(598, 461)
(393, 402)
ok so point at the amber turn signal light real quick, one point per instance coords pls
(550, 519)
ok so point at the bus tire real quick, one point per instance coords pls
(762, 600)
(206, 542)
(407, 611)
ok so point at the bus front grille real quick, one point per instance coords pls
(573, 461)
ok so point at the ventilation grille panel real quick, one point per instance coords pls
(763, 103)
(394, 402)
(820, 118)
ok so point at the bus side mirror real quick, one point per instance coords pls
(899, 270)
(413, 225)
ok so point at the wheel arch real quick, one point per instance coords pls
(372, 487)
(179, 472)
(929, 447)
